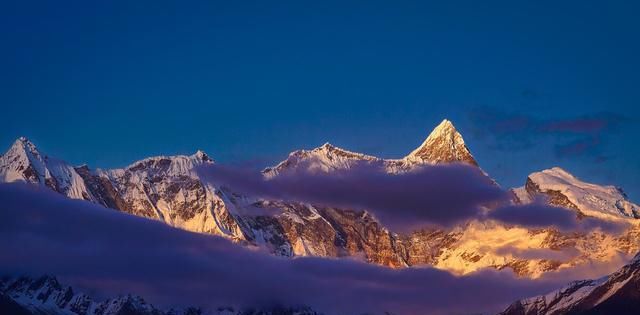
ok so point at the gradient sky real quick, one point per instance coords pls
(530, 84)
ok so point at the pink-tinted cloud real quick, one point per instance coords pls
(590, 124)
(571, 137)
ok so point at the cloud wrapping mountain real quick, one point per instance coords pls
(112, 252)
(456, 191)
(539, 215)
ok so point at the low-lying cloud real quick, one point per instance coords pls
(539, 215)
(112, 252)
(440, 195)
(437, 195)
(538, 253)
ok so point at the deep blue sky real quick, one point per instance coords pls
(530, 84)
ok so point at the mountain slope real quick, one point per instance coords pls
(618, 293)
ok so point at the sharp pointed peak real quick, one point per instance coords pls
(445, 123)
(445, 128)
(23, 141)
(24, 145)
(443, 145)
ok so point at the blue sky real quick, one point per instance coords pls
(530, 84)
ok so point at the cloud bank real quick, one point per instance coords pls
(441, 195)
(537, 215)
(112, 252)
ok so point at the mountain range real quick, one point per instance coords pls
(169, 189)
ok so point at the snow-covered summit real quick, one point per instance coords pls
(23, 162)
(444, 145)
(167, 165)
(564, 189)
(324, 158)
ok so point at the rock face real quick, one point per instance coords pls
(46, 296)
(169, 189)
(618, 293)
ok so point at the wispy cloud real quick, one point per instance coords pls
(582, 136)
(538, 253)
(539, 215)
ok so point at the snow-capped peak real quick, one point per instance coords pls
(324, 158)
(24, 163)
(566, 190)
(444, 145)
(23, 147)
(332, 149)
(25, 144)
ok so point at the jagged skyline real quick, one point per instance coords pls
(319, 157)
(77, 83)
